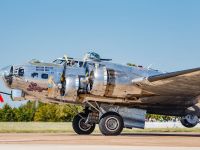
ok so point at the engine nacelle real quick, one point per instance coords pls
(119, 84)
(112, 83)
(71, 88)
(99, 81)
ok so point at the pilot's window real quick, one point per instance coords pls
(44, 76)
(21, 72)
(34, 75)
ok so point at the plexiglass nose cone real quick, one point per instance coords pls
(5, 71)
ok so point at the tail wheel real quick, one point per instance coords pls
(189, 121)
(111, 124)
(79, 125)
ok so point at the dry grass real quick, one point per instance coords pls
(63, 127)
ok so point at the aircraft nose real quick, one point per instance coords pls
(6, 71)
(7, 75)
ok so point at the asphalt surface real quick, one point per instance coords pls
(141, 140)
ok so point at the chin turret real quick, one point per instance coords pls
(17, 95)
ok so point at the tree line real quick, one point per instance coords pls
(41, 112)
(52, 113)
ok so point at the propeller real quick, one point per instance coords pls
(67, 58)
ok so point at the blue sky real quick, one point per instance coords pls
(165, 34)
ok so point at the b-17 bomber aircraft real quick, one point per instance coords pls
(114, 96)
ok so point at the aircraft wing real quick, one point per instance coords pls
(186, 82)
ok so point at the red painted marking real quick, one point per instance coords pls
(1, 99)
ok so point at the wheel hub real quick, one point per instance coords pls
(84, 126)
(112, 124)
(192, 119)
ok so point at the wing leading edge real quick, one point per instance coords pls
(172, 74)
(186, 82)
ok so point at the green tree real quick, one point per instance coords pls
(66, 112)
(46, 112)
(26, 112)
(132, 65)
(8, 114)
(160, 117)
(55, 112)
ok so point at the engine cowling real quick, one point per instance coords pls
(71, 88)
(99, 81)
(112, 83)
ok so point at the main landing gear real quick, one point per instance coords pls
(110, 123)
(111, 118)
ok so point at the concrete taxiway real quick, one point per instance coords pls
(137, 139)
(88, 147)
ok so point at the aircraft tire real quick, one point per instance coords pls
(111, 124)
(79, 125)
(186, 122)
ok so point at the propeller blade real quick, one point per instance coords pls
(65, 57)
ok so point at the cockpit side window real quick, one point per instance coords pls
(44, 76)
(21, 72)
(34, 75)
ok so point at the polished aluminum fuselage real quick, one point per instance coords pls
(99, 81)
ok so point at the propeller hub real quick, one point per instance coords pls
(7, 73)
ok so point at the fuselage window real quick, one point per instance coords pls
(44, 76)
(48, 68)
(34, 75)
(39, 68)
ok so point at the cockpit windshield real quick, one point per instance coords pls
(69, 62)
(59, 61)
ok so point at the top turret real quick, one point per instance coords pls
(92, 56)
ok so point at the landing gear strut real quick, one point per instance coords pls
(189, 120)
